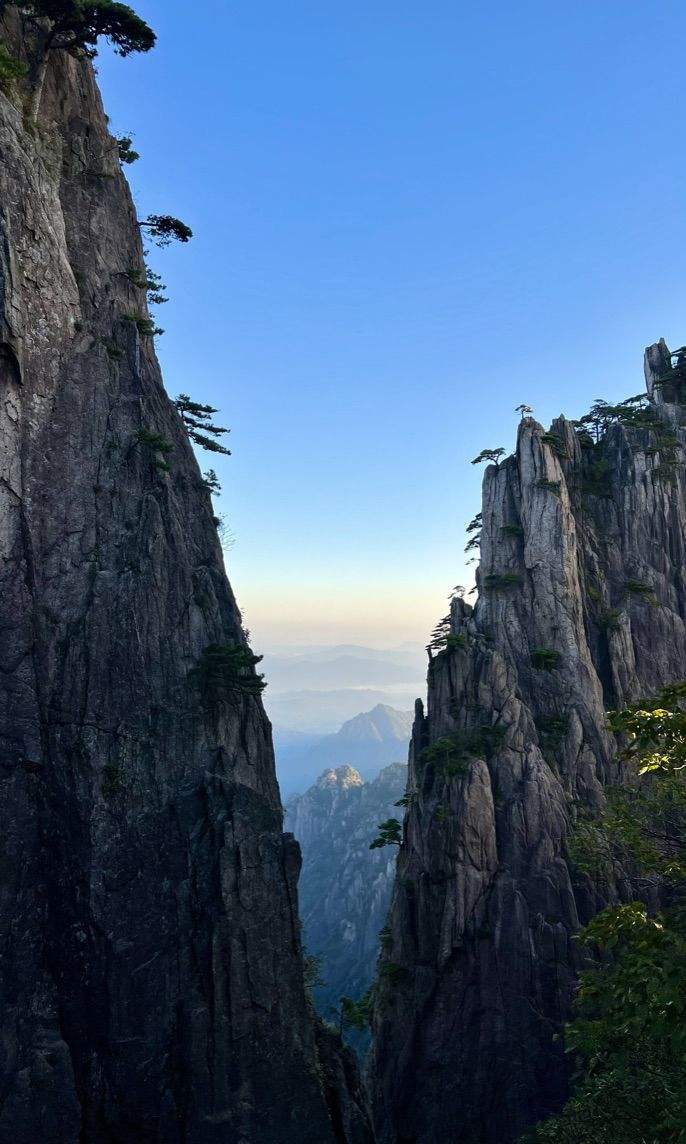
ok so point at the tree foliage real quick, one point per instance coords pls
(357, 1014)
(125, 149)
(629, 1035)
(76, 25)
(11, 69)
(390, 834)
(491, 455)
(210, 481)
(165, 229)
(224, 670)
(198, 421)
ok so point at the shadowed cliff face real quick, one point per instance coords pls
(581, 607)
(151, 980)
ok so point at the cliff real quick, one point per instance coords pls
(581, 607)
(151, 982)
(345, 887)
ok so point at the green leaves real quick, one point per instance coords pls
(491, 455)
(125, 149)
(629, 1034)
(545, 658)
(226, 670)
(198, 421)
(77, 25)
(390, 834)
(357, 1014)
(11, 69)
(164, 229)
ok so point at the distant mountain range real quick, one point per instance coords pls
(345, 887)
(317, 713)
(368, 742)
(290, 674)
(313, 690)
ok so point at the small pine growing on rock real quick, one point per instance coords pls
(198, 421)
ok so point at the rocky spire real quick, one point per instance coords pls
(580, 607)
(151, 982)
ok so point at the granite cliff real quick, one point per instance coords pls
(151, 980)
(581, 607)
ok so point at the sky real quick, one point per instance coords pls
(408, 218)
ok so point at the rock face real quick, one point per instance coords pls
(581, 608)
(345, 887)
(151, 983)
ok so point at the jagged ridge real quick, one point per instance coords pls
(581, 607)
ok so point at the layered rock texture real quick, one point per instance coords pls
(581, 607)
(345, 887)
(151, 984)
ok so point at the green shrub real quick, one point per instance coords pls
(497, 580)
(312, 977)
(449, 753)
(210, 481)
(512, 530)
(392, 973)
(225, 670)
(197, 419)
(545, 659)
(145, 326)
(639, 588)
(491, 455)
(125, 150)
(358, 1014)
(149, 281)
(164, 229)
(486, 740)
(156, 444)
(390, 834)
(452, 753)
(111, 349)
(386, 938)
(551, 486)
(11, 69)
(407, 799)
(556, 444)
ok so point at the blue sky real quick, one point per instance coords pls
(408, 218)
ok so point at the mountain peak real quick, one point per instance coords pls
(381, 723)
(344, 778)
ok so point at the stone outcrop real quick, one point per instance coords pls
(345, 887)
(151, 983)
(581, 607)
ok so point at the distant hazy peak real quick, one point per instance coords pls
(382, 722)
(343, 777)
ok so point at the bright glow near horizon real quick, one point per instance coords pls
(370, 615)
